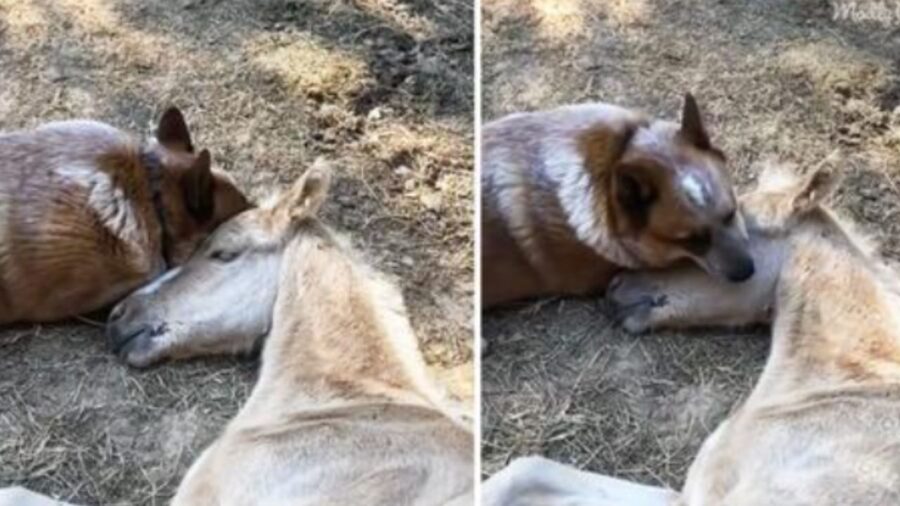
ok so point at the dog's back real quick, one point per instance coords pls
(75, 229)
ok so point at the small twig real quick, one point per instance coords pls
(94, 323)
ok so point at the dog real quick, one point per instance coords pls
(574, 195)
(89, 213)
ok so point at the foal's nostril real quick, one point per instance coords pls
(617, 288)
(118, 336)
(614, 284)
(120, 328)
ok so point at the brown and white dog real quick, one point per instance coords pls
(573, 195)
(88, 213)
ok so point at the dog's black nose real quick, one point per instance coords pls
(741, 271)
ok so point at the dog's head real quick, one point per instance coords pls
(195, 197)
(671, 198)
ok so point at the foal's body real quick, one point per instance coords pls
(820, 427)
(341, 414)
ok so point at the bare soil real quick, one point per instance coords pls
(382, 86)
(778, 79)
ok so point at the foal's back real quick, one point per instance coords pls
(839, 448)
(373, 453)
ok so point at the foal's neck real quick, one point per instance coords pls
(836, 316)
(340, 334)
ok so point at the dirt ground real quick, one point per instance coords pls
(776, 79)
(382, 86)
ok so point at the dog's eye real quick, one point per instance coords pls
(729, 218)
(221, 255)
(697, 242)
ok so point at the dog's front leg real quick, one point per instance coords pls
(536, 481)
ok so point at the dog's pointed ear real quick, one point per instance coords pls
(197, 186)
(172, 131)
(815, 189)
(308, 194)
(692, 129)
(634, 193)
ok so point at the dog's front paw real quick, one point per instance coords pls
(636, 300)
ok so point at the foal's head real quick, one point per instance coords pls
(221, 299)
(782, 199)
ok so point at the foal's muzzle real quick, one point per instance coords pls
(127, 334)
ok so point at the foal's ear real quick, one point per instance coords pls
(815, 189)
(172, 131)
(309, 192)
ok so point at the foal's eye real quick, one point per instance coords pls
(221, 255)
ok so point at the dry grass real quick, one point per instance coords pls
(382, 86)
(339, 75)
(775, 79)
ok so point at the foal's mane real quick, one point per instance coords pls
(390, 314)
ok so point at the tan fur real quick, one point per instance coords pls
(820, 427)
(552, 223)
(78, 227)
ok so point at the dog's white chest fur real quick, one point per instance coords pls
(105, 198)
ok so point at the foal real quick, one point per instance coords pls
(820, 427)
(343, 411)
